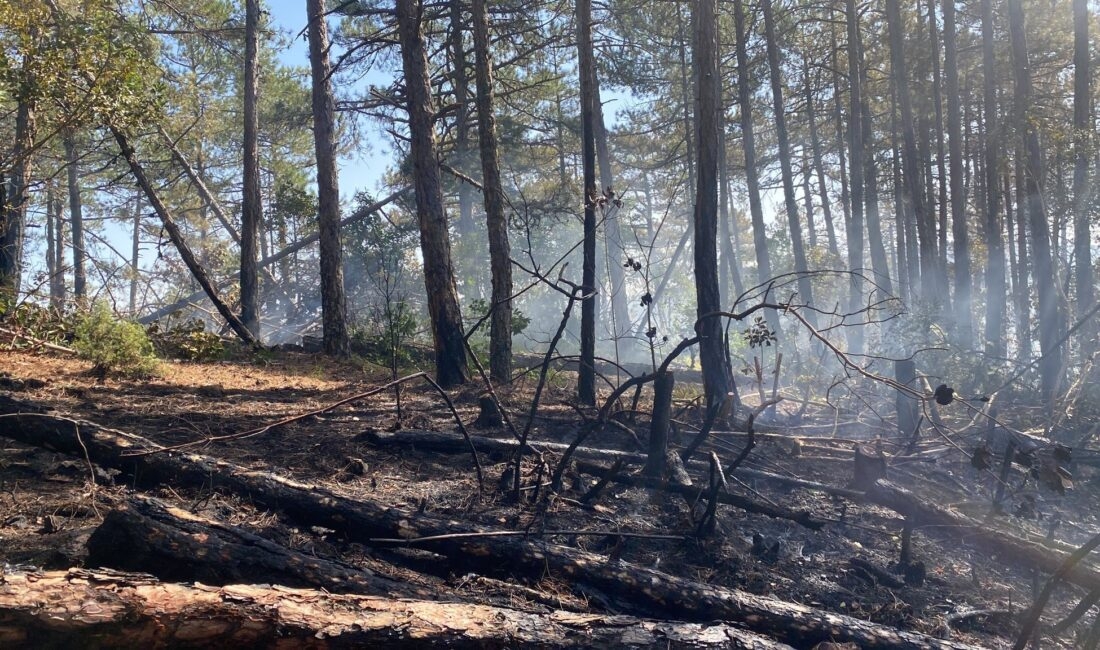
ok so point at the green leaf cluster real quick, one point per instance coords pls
(113, 345)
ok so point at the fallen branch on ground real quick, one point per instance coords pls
(634, 588)
(105, 609)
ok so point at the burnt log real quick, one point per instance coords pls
(634, 588)
(148, 536)
(106, 609)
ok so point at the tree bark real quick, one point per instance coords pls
(251, 207)
(818, 160)
(439, 277)
(135, 255)
(55, 265)
(995, 281)
(334, 308)
(1082, 139)
(855, 181)
(500, 324)
(149, 536)
(13, 217)
(713, 352)
(1050, 317)
(748, 145)
(586, 378)
(76, 218)
(108, 609)
(805, 288)
(911, 159)
(961, 238)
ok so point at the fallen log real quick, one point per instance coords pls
(693, 492)
(148, 536)
(1045, 555)
(107, 609)
(641, 589)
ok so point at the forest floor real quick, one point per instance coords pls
(49, 506)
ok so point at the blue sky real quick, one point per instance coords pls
(359, 170)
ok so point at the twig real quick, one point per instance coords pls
(520, 533)
(1033, 614)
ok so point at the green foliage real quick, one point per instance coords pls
(189, 341)
(479, 342)
(383, 338)
(113, 345)
(758, 334)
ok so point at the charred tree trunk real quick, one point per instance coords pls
(995, 282)
(748, 144)
(439, 277)
(586, 378)
(961, 238)
(911, 176)
(251, 207)
(1050, 317)
(334, 308)
(500, 324)
(713, 352)
(13, 216)
(76, 219)
(805, 289)
(855, 181)
(1082, 139)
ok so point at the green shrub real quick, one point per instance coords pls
(113, 345)
(189, 341)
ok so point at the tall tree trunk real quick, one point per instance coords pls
(439, 278)
(808, 196)
(135, 255)
(730, 265)
(500, 324)
(961, 244)
(877, 243)
(251, 209)
(1082, 132)
(586, 380)
(614, 251)
(937, 192)
(54, 263)
(911, 158)
(805, 288)
(854, 225)
(995, 282)
(76, 219)
(13, 217)
(713, 352)
(818, 160)
(748, 145)
(840, 133)
(1020, 286)
(462, 149)
(1050, 318)
(334, 309)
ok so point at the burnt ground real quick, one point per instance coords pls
(49, 506)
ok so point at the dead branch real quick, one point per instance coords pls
(639, 588)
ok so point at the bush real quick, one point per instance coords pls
(113, 345)
(189, 341)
